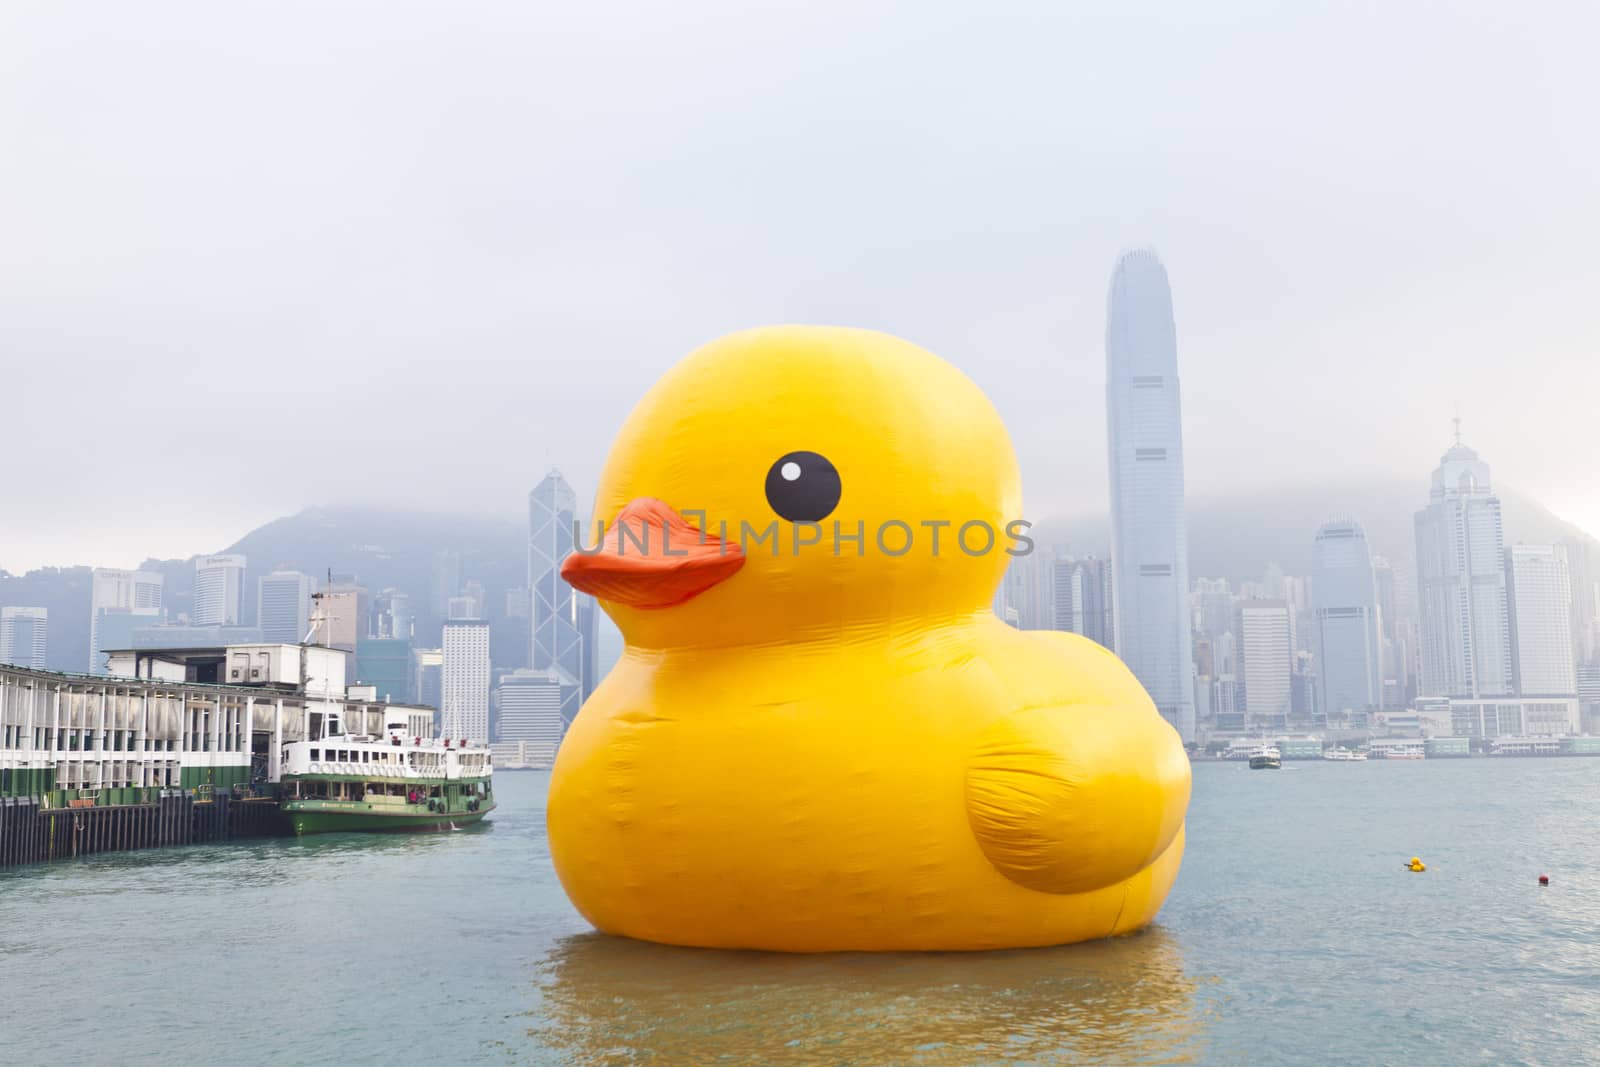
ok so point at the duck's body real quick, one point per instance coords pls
(856, 769)
(821, 798)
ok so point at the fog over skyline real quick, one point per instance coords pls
(259, 257)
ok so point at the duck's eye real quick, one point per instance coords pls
(803, 487)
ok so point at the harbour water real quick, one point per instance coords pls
(1292, 936)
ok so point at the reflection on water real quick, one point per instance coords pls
(1122, 1001)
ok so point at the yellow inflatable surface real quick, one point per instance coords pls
(819, 736)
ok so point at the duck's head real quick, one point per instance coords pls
(763, 455)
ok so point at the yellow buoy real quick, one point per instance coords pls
(1416, 865)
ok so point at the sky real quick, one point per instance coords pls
(257, 257)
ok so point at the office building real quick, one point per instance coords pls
(1346, 632)
(1149, 545)
(283, 606)
(464, 680)
(385, 664)
(1082, 599)
(391, 616)
(218, 590)
(1461, 584)
(563, 620)
(338, 616)
(530, 721)
(1539, 591)
(1265, 649)
(23, 633)
(118, 601)
(427, 685)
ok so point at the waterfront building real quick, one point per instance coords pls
(427, 683)
(1346, 630)
(1461, 584)
(1083, 598)
(384, 663)
(464, 680)
(1539, 591)
(283, 605)
(1515, 717)
(23, 635)
(563, 620)
(1149, 539)
(193, 719)
(218, 590)
(1265, 636)
(114, 597)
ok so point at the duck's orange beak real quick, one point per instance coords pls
(652, 557)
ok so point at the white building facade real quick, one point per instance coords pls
(218, 590)
(1149, 538)
(464, 680)
(1264, 632)
(283, 605)
(1539, 589)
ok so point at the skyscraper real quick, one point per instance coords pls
(1461, 582)
(560, 619)
(283, 606)
(218, 590)
(464, 680)
(22, 636)
(1266, 660)
(1346, 635)
(1149, 541)
(119, 600)
(530, 711)
(1539, 589)
(1083, 599)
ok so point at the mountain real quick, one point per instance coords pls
(1234, 537)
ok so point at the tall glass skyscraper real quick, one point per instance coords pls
(1149, 553)
(562, 619)
(1344, 614)
(1461, 583)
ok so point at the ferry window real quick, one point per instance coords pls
(316, 754)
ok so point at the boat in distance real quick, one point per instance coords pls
(1344, 755)
(367, 784)
(1266, 758)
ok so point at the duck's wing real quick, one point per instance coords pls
(1065, 799)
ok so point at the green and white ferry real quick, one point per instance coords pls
(395, 782)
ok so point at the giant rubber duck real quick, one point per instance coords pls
(819, 737)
